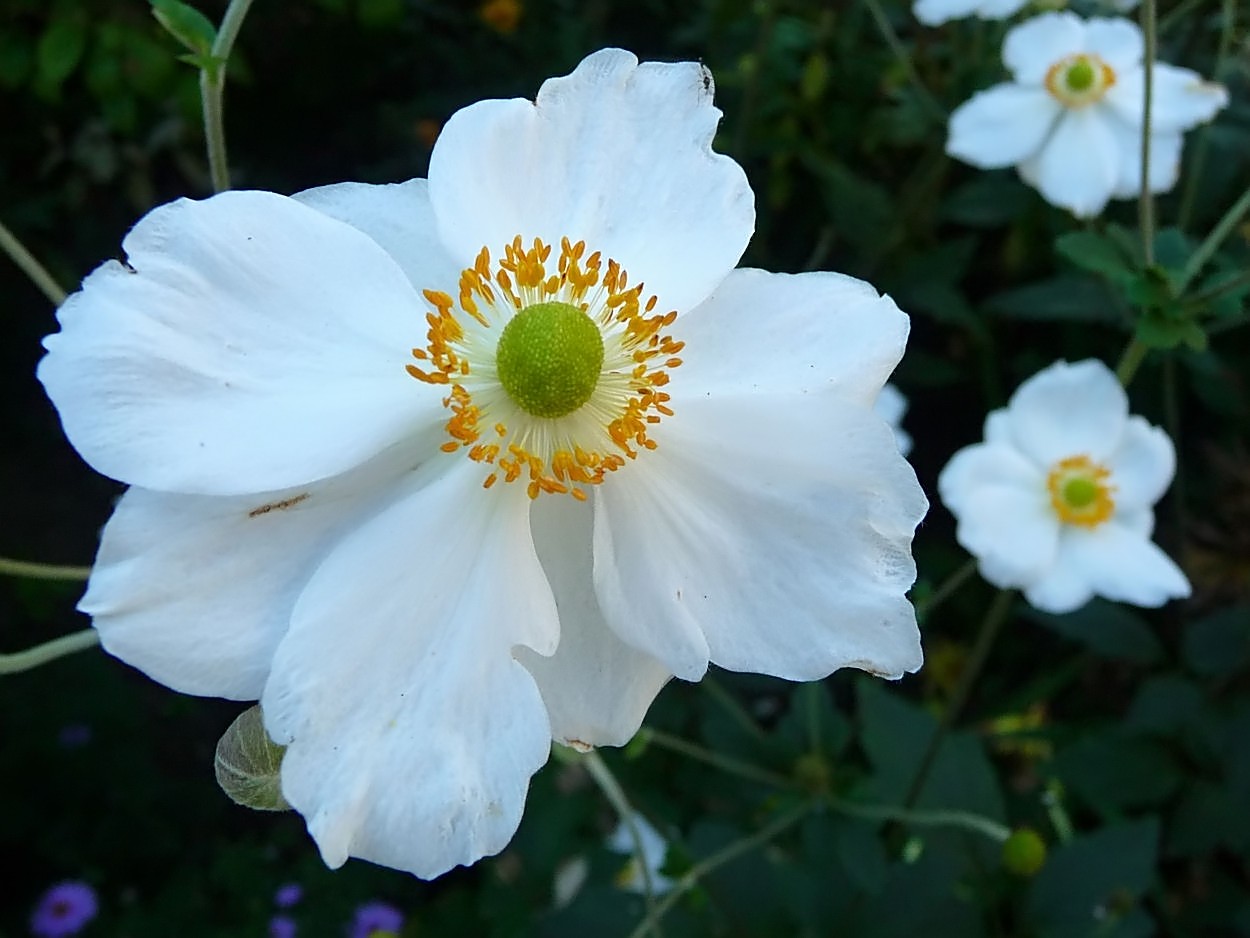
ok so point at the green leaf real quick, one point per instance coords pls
(60, 49)
(1159, 331)
(1065, 298)
(1113, 771)
(1219, 644)
(1109, 629)
(1090, 885)
(1166, 705)
(247, 764)
(1094, 252)
(988, 200)
(185, 23)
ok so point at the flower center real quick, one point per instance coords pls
(555, 376)
(549, 358)
(1079, 491)
(1080, 79)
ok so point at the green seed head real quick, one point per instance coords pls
(1080, 75)
(549, 359)
(1080, 492)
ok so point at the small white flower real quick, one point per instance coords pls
(891, 406)
(937, 12)
(1071, 120)
(423, 469)
(1058, 499)
(654, 851)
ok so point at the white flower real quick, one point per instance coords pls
(1058, 499)
(891, 406)
(937, 12)
(431, 530)
(654, 852)
(1071, 120)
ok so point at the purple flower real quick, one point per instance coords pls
(374, 917)
(282, 926)
(64, 910)
(287, 895)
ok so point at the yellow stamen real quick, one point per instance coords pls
(1080, 79)
(1079, 491)
(552, 455)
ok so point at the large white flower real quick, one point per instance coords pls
(1071, 120)
(425, 470)
(1058, 500)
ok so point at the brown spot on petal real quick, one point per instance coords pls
(277, 506)
(578, 745)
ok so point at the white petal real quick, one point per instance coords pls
(766, 333)
(1180, 98)
(1122, 565)
(1165, 160)
(250, 344)
(1115, 40)
(998, 427)
(1079, 166)
(1069, 410)
(891, 405)
(1064, 587)
(937, 12)
(999, 9)
(771, 534)
(1141, 521)
(597, 689)
(1031, 48)
(617, 154)
(1004, 513)
(985, 465)
(398, 216)
(1002, 126)
(412, 729)
(197, 590)
(1142, 466)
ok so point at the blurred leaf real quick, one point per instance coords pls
(1172, 251)
(185, 23)
(1090, 885)
(1064, 298)
(1094, 252)
(60, 49)
(1113, 771)
(1159, 331)
(988, 200)
(1218, 644)
(1165, 704)
(1109, 629)
(1206, 817)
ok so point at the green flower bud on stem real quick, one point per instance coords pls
(1024, 853)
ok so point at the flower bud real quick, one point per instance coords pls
(1024, 852)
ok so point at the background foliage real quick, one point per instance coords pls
(1120, 736)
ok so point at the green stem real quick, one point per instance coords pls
(1134, 354)
(730, 705)
(886, 28)
(725, 763)
(966, 820)
(615, 794)
(48, 651)
(1206, 250)
(946, 588)
(990, 625)
(30, 267)
(212, 89)
(714, 862)
(1228, 20)
(1145, 201)
(42, 571)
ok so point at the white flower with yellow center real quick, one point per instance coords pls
(1058, 500)
(443, 470)
(1071, 120)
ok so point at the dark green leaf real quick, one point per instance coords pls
(185, 23)
(1094, 252)
(1218, 644)
(60, 49)
(1066, 298)
(1109, 629)
(1113, 771)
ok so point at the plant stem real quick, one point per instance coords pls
(966, 820)
(1206, 250)
(212, 89)
(730, 705)
(615, 794)
(42, 571)
(30, 266)
(48, 651)
(947, 588)
(990, 624)
(1134, 354)
(1228, 21)
(726, 855)
(886, 28)
(1145, 201)
(725, 763)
